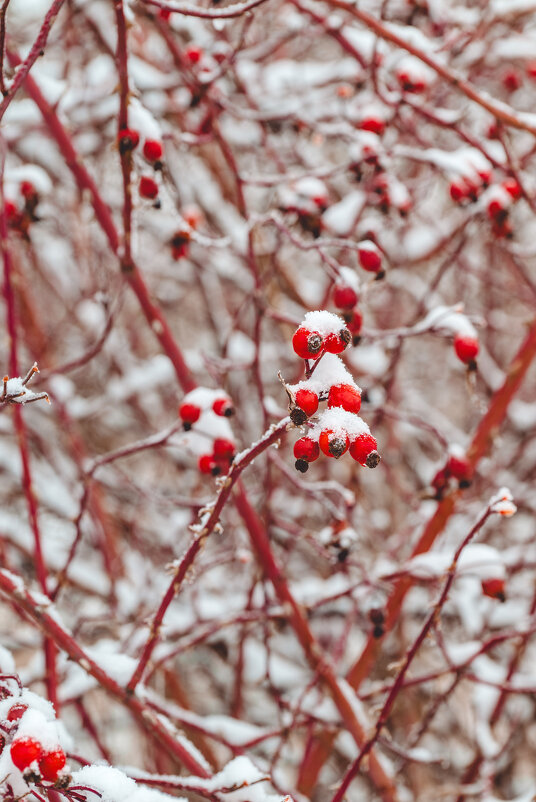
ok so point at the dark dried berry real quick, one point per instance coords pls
(301, 465)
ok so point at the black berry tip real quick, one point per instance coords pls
(373, 459)
(301, 465)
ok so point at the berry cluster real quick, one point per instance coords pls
(338, 428)
(153, 151)
(21, 214)
(468, 189)
(32, 740)
(205, 413)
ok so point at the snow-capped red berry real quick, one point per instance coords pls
(307, 449)
(459, 467)
(223, 448)
(363, 450)
(153, 150)
(16, 712)
(466, 348)
(345, 396)
(189, 413)
(494, 588)
(24, 751)
(193, 54)
(207, 464)
(336, 343)
(496, 210)
(223, 407)
(28, 190)
(307, 400)
(373, 124)
(512, 80)
(128, 139)
(333, 444)
(370, 260)
(512, 187)
(51, 764)
(307, 344)
(148, 187)
(344, 296)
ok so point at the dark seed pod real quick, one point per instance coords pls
(337, 447)
(216, 470)
(314, 343)
(376, 616)
(377, 632)
(343, 555)
(301, 465)
(345, 336)
(298, 416)
(373, 459)
(186, 426)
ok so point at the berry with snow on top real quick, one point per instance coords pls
(148, 187)
(459, 467)
(51, 764)
(307, 400)
(333, 444)
(364, 450)
(411, 83)
(16, 712)
(466, 348)
(494, 588)
(153, 150)
(306, 450)
(223, 407)
(189, 414)
(128, 139)
(223, 448)
(369, 258)
(307, 344)
(335, 343)
(346, 396)
(374, 124)
(24, 751)
(344, 296)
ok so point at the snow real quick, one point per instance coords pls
(341, 217)
(340, 422)
(323, 322)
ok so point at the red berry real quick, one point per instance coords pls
(306, 449)
(494, 588)
(207, 464)
(345, 396)
(512, 80)
(223, 407)
(496, 210)
(24, 751)
(152, 150)
(459, 467)
(439, 482)
(16, 712)
(51, 764)
(28, 190)
(336, 343)
(164, 14)
(128, 139)
(373, 124)
(189, 413)
(344, 297)
(370, 260)
(148, 187)
(531, 69)
(457, 191)
(333, 444)
(223, 449)
(364, 447)
(354, 321)
(308, 401)
(466, 348)
(193, 54)
(512, 187)
(307, 344)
